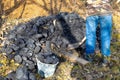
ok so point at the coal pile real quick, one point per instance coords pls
(32, 38)
(22, 73)
(48, 58)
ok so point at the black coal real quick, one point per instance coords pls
(34, 37)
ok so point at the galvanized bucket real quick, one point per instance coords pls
(45, 70)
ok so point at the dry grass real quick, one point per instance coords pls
(32, 8)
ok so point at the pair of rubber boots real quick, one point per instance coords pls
(105, 60)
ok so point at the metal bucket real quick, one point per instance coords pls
(45, 70)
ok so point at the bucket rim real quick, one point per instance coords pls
(45, 63)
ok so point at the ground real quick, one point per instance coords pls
(66, 70)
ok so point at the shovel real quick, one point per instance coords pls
(76, 45)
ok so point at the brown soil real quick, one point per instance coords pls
(32, 8)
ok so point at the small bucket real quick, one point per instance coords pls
(45, 70)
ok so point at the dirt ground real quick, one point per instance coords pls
(24, 10)
(32, 8)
